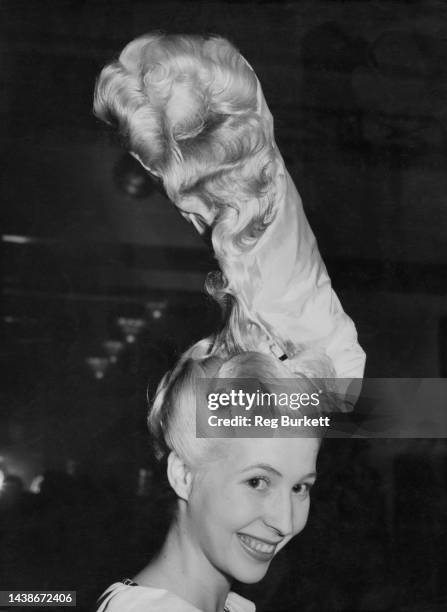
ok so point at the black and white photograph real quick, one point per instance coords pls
(224, 305)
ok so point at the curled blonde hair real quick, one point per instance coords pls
(187, 107)
(173, 413)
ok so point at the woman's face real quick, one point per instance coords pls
(246, 506)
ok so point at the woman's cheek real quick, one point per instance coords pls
(301, 516)
(254, 503)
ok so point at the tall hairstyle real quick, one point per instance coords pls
(187, 108)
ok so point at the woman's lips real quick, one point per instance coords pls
(256, 548)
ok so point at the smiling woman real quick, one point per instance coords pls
(251, 502)
(238, 501)
(192, 111)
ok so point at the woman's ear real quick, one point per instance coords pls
(179, 476)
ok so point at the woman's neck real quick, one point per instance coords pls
(182, 568)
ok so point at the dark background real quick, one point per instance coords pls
(358, 91)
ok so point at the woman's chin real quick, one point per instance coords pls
(251, 575)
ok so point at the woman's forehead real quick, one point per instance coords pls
(282, 454)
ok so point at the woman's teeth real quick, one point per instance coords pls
(257, 545)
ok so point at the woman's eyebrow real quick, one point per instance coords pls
(262, 466)
(272, 470)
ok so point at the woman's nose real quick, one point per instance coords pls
(279, 514)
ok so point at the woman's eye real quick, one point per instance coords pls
(302, 489)
(258, 483)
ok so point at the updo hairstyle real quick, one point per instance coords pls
(172, 416)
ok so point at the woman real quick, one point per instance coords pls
(238, 500)
(191, 110)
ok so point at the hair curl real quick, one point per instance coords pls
(187, 107)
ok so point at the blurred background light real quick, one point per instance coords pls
(131, 327)
(98, 366)
(36, 484)
(131, 178)
(156, 309)
(113, 348)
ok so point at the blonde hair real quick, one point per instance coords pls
(173, 413)
(187, 107)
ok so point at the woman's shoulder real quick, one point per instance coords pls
(237, 603)
(120, 597)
